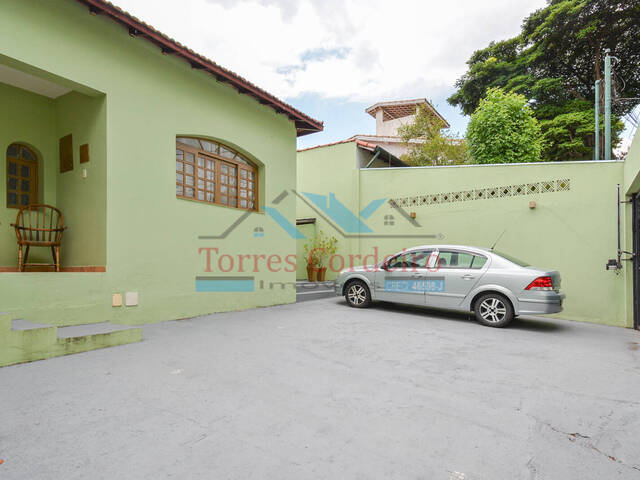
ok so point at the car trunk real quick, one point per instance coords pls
(554, 274)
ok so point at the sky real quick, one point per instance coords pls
(333, 58)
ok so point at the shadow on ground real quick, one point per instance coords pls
(520, 323)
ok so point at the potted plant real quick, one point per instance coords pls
(317, 251)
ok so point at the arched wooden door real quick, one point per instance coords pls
(22, 176)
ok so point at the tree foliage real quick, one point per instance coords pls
(504, 130)
(554, 62)
(430, 143)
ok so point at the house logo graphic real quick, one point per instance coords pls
(345, 222)
(341, 215)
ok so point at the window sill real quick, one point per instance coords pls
(203, 202)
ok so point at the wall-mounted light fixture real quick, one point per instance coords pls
(613, 264)
(532, 205)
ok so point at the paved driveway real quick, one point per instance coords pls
(320, 391)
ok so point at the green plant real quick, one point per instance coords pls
(319, 248)
(504, 130)
(430, 143)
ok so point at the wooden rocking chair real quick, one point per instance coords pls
(39, 226)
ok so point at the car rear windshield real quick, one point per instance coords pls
(517, 261)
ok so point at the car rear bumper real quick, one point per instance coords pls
(550, 302)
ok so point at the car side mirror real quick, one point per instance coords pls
(384, 266)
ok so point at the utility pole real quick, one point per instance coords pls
(607, 105)
(596, 152)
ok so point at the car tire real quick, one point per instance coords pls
(493, 310)
(357, 294)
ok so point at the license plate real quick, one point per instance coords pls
(414, 285)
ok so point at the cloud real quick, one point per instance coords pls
(356, 50)
(322, 54)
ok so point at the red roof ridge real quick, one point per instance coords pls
(348, 140)
(365, 144)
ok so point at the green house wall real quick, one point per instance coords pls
(134, 102)
(83, 201)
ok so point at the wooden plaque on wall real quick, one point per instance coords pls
(66, 154)
(84, 153)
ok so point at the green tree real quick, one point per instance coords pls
(504, 130)
(568, 131)
(430, 143)
(554, 62)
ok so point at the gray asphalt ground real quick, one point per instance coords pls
(318, 390)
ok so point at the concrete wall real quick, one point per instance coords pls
(327, 170)
(572, 229)
(632, 168)
(630, 186)
(152, 240)
(309, 231)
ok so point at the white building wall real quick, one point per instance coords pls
(390, 127)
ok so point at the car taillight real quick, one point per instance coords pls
(541, 283)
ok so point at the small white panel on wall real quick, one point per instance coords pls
(131, 299)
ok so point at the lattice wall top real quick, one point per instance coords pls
(561, 185)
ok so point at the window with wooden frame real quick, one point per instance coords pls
(210, 172)
(22, 176)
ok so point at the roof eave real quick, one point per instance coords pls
(418, 101)
(303, 123)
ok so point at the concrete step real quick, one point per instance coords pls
(23, 341)
(22, 324)
(89, 329)
(304, 286)
(313, 290)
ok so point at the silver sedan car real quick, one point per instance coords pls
(495, 286)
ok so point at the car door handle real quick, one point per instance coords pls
(417, 275)
(468, 276)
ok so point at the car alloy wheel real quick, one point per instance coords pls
(357, 294)
(492, 310)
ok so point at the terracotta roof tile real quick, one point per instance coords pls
(348, 140)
